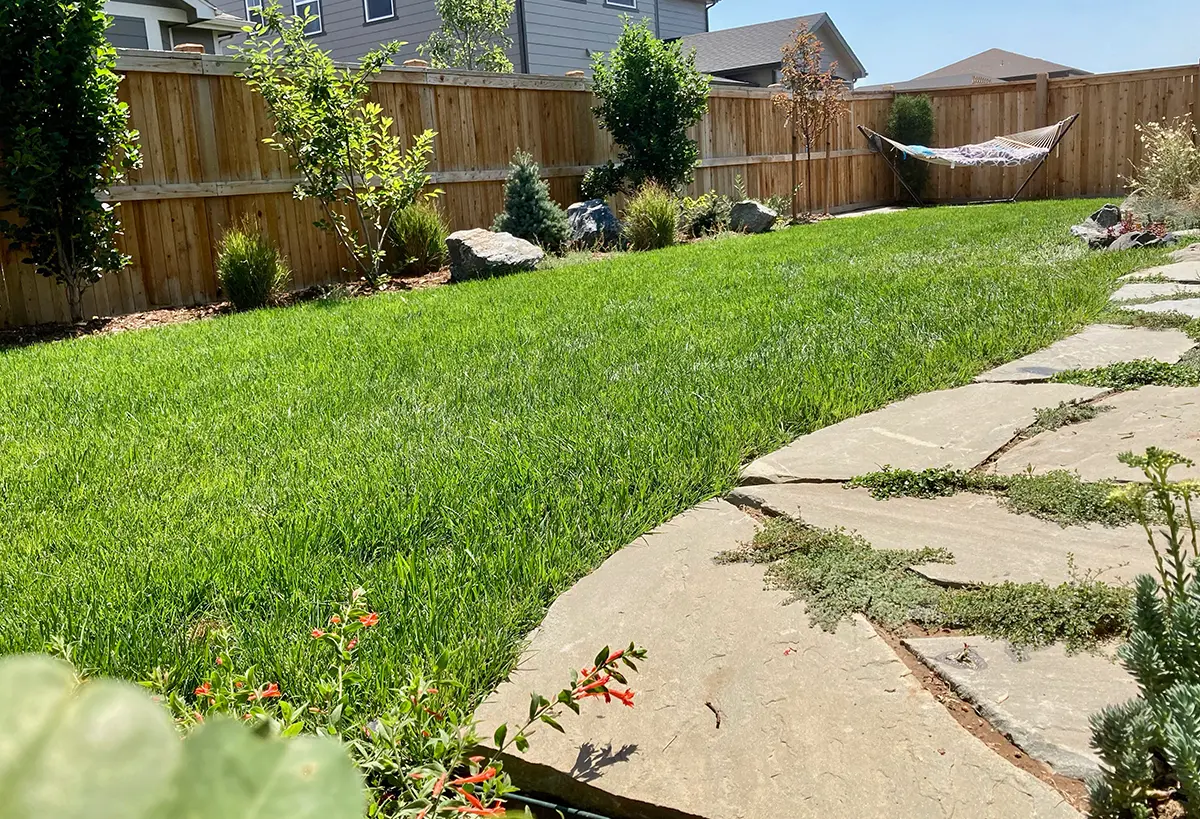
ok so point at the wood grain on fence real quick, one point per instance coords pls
(205, 164)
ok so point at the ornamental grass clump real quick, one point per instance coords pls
(250, 269)
(419, 239)
(651, 219)
(1149, 747)
(1170, 165)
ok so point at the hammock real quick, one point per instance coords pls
(1000, 152)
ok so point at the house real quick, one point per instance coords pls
(549, 36)
(164, 24)
(751, 54)
(991, 66)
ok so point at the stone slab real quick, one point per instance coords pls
(1096, 346)
(1040, 699)
(1165, 417)
(1191, 253)
(1189, 307)
(1152, 290)
(961, 427)
(1181, 272)
(989, 543)
(812, 724)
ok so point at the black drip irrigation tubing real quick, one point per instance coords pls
(562, 810)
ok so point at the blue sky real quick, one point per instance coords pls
(899, 40)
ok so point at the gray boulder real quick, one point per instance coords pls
(479, 253)
(593, 224)
(1091, 232)
(749, 216)
(1139, 238)
(1108, 216)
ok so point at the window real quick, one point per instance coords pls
(312, 7)
(622, 4)
(378, 10)
(254, 11)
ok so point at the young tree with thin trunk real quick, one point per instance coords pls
(474, 36)
(811, 101)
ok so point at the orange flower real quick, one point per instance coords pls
(369, 620)
(204, 690)
(317, 634)
(482, 776)
(335, 619)
(437, 786)
(272, 690)
(350, 645)
(616, 655)
(238, 684)
(220, 661)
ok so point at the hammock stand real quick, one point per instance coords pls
(1003, 151)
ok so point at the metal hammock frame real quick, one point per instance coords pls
(875, 141)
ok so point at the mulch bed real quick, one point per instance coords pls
(109, 325)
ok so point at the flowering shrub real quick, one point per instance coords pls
(1170, 162)
(419, 758)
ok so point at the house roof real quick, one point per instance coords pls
(759, 44)
(1004, 65)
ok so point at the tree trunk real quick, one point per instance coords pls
(795, 170)
(75, 299)
(807, 176)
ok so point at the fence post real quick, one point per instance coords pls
(1041, 118)
(1195, 106)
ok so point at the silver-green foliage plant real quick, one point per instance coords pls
(342, 145)
(651, 219)
(102, 749)
(250, 269)
(473, 35)
(1150, 746)
(529, 212)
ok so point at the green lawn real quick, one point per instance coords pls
(467, 452)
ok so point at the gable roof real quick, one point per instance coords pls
(759, 44)
(1004, 65)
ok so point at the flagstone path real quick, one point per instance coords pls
(746, 711)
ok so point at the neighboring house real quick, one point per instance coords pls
(751, 54)
(163, 24)
(987, 67)
(549, 36)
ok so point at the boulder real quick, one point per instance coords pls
(1091, 232)
(479, 253)
(1108, 216)
(749, 216)
(593, 224)
(1140, 238)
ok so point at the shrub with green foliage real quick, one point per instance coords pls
(604, 181)
(473, 35)
(648, 93)
(250, 269)
(910, 122)
(1150, 746)
(651, 219)
(419, 239)
(64, 136)
(705, 214)
(529, 212)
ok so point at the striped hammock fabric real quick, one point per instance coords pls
(1002, 151)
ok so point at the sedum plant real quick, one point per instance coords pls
(529, 212)
(64, 137)
(250, 269)
(102, 748)
(341, 144)
(1150, 746)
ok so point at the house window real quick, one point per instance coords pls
(312, 7)
(254, 11)
(622, 4)
(378, 10)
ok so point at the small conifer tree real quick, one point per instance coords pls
(529, 212)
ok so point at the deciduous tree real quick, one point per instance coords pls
(473, 35)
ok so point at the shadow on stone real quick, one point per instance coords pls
(592, 760)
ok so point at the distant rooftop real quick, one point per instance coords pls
(758, 44)
(991, 66)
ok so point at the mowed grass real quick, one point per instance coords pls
(467, 452)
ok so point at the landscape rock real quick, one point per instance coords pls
(1096, 346)
(743, 710)
(479, 253)
(1187, 272)
(749, 216)
(1096, 235)
(1041, 699)
(1189, 307)
(1139, 238)
(1108, 216)
(593, 224)
(1152, 290)
(961, 428)
(1165, 417)
(990, 544)
(1191, 253)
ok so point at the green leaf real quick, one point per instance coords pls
(549, 720)
(522, 743)
(501, 733)
(602, 657)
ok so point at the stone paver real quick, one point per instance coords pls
(1191, 253)
(989, 543)
(1166, 417)
(1181, 272)
(812, 724)
(1096, 346)
(961, 427)
(1040, 699)
(1189, 307)
(1153, 290)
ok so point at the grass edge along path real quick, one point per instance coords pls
(466, 453)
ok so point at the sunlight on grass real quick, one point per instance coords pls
(468, 452)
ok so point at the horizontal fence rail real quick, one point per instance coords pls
(205, 164)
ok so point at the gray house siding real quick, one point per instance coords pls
(128, 32)
(561, 35)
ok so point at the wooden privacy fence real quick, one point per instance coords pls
(205, 163)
